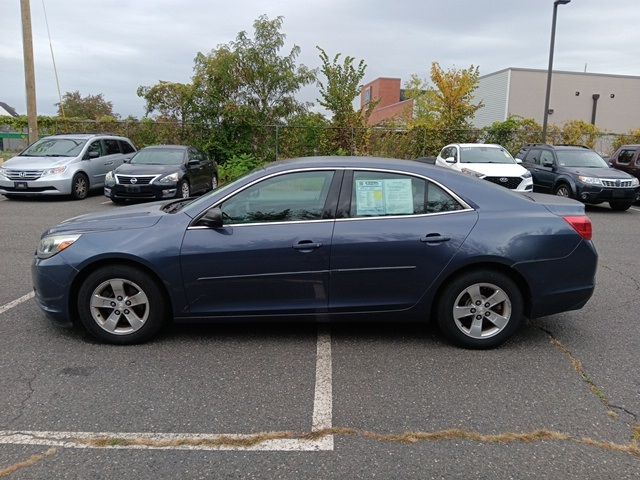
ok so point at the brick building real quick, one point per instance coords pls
(392, 103)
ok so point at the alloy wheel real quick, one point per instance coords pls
(563, 191)
(185, 190)
(119, 306)
(80, 187)
(482, 310)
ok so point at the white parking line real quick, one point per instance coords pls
(104, 203)
(269, 441)
(636, 209)
(17, 301)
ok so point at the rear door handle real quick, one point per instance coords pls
(434, 238)
(306, 245)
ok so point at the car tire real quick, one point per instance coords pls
(184, 189)
(620, 206)
(79, 186)
(563, 190)
(469, 325)
(113, 321)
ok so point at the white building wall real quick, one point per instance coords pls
(493, 91)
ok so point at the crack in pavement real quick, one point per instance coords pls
(32, 460)
(625, 275)
(23, 402)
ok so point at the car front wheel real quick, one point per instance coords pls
(480, 309)
(184, 190)
(80, 186)
(121, 304)
(564, 190)
(620, 206)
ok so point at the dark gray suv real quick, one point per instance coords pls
(578, 172)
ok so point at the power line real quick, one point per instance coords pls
(53, 58)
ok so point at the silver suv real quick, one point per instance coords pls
(64, 165)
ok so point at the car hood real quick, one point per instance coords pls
(129, 169)
(35, 163)
(122, 218)
(598, 172)
(496, 169)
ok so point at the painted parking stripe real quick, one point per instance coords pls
(269, 441)
(635, 209)
(17, 301)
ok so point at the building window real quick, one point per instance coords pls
(367, 95)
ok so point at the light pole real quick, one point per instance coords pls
(553, 39)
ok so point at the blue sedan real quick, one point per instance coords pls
(325, 239)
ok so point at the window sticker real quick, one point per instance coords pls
(384, 197)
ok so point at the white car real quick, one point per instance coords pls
(487, 161)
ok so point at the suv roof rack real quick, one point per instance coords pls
(572, 145)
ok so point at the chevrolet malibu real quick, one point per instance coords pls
(324, 239)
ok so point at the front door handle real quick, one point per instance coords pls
(306, 245)
(434, 238)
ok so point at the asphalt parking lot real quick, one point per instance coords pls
(561, 400)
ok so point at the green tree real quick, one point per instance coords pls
(513, 133)
(342, 86)
(578, 132)
(90, 107)
(169, 100)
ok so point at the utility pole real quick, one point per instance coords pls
(29, 70)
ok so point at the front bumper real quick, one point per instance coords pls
(597, 194)
(48, 185)
(52, 279)
(152, 191)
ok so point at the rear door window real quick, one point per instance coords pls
(625, 156)
(111, 147)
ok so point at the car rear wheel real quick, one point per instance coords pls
(79, 186)
(184, 189)
(564, 190)
(480, 309)
(620, 206)
(121, 304)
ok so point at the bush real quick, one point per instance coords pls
(513, 133)
(577, 132)
(237, 166)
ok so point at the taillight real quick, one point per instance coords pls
(582, 225)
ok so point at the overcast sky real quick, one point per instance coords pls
(113, 46)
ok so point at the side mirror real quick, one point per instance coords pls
(450, 160)
(548, 164)
(126, 160)
(212, 219)
(194, 162)
(518, 160)
(93, 154)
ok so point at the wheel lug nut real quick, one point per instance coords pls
(479, 317)
(126, 312)
(127, 303)
(113, 304)
(119, 299)
(487, 305)
(117, 312)
(487, 313)
(478, 303)
(473, 310)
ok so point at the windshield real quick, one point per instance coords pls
(205, 198)
(580, 158)
(158, 156)
(485, 155)
(55, 147)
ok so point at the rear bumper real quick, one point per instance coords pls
(561, 285)
(42, 186)
(141, 192)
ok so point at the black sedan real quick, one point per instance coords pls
(160, 172)
(324, 239)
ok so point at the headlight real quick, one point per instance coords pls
(109, 179)
(635, 182)
(172, 178)
(473, 173)
(52, 244)
(3, 172)
(54, 171)
(590, 180)
(527, 174)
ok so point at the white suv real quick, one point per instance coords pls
(487, 161)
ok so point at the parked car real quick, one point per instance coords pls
(160, 172)
(487, 161)
(64, 165)
(324, 238)
(627, 159)
(578, 172)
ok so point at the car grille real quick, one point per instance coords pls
(23, 174)
(616, 183)
(509, 182)
(139, 179)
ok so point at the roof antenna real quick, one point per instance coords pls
(53, 58)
